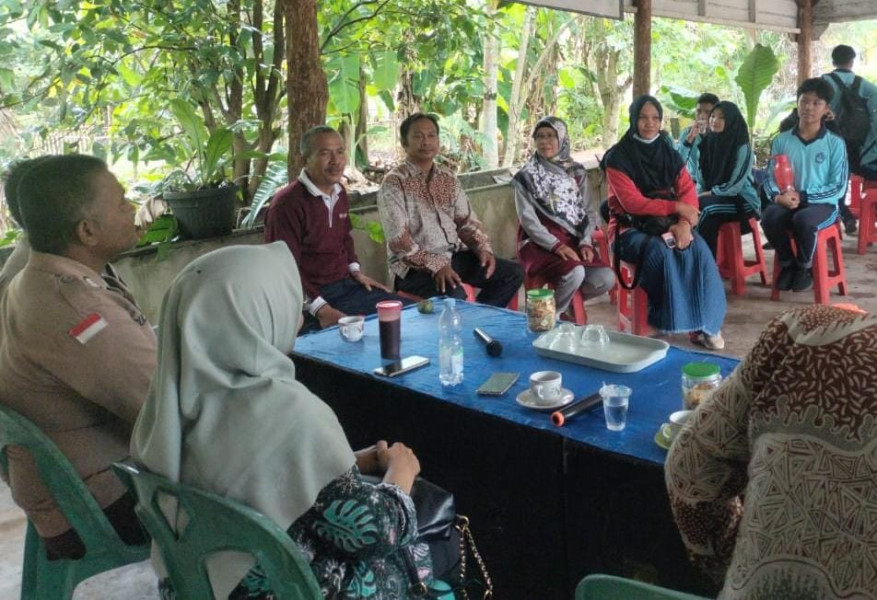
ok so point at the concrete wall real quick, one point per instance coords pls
(149, 277)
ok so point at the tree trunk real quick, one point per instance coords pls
(511, 138)
(266, 93)
(406, 102)
(490, 148)
(306, 85)
(611, 91)
(520, 100)
(361, 148)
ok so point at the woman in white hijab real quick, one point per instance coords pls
(226, 414)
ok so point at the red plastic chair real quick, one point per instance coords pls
(823, 278)
(867, 217)
(854, 194)
(633, 305)
(730, 260)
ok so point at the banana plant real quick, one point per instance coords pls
(755, 74)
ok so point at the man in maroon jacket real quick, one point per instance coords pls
(311, 216)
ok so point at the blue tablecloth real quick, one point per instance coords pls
(656, 389)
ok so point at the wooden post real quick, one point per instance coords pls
(642, 48)
(805, 40)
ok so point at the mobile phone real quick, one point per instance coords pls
(409, 363)
(497, 384)
(669, 239)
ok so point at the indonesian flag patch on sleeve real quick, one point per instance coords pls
(88, 327)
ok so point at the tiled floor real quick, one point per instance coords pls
(746, 317)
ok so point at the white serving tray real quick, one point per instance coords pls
(625, 353)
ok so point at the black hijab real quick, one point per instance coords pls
(651, 166)
(718, 151)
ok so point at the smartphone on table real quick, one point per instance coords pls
(409, 363)
(497, 384)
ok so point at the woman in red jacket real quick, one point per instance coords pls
(650, 192)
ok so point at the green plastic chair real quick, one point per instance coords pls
(44, 579)
(609, 587)
(216, 524)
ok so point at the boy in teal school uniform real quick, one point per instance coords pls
(819, 163)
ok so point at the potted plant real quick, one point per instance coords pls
(204, 204)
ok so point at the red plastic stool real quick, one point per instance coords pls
(580, 316)
(732, 265)
(854, 194)
(633, 305)
(867, 218)
(601, 243)
(823, 278)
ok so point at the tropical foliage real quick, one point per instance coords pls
(199, 86)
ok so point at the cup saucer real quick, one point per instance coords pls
(528, 400)
(661, 437)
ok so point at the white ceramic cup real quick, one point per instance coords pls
(351, 328)
(677, 420)
(546, 386)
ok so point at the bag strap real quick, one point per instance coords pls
(418, 589)
(466, 537)
(857, 82)
(616, 262)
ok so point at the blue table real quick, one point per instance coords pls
(539, 495)
(656, 389)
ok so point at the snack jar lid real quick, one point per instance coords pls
(540, 294)
(701, 369)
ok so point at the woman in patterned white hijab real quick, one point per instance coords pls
(557, 219)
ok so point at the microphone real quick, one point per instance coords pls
(559, 417)
(494, 348)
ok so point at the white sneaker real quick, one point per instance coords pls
(714, 342)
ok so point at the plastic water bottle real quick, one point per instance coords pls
(450, 344)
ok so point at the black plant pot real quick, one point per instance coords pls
(204, 213)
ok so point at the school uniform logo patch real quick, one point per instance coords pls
(88, 327)
(820, 158)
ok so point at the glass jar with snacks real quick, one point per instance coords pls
(699, 380)
(540, 310)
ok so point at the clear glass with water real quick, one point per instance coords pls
(615, 403)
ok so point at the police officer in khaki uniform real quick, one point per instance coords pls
(76, 352)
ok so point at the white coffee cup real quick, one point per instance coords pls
(677, 420)
(351, 328)
(546, 386)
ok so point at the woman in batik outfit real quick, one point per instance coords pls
(773, 480)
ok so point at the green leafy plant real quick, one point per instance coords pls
(276, 176)
(755, 74)
(210, 152)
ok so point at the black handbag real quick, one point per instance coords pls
(436, 510)
(650, 225)
(437, 520)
